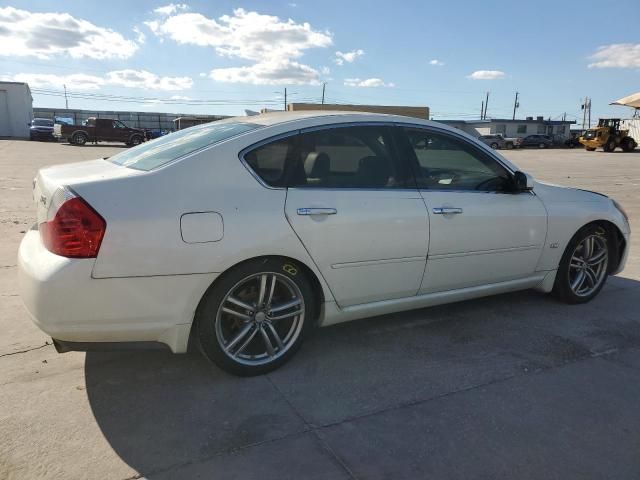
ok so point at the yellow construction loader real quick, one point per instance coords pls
(608, 136)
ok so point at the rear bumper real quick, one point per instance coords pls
(69, 305)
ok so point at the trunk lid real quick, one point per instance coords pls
(49, 179)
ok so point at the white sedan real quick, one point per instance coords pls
(247, 233)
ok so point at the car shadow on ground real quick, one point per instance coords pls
(161, 412)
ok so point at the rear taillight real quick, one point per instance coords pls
(73, 229)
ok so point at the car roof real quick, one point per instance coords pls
(331, 116)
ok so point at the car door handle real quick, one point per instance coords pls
(317, 211)
(447, 210)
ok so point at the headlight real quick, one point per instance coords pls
(621, 210)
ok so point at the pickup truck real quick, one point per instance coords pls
(99, 130)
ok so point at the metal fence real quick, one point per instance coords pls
(151, 120)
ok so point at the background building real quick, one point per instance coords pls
(417, 112)
(151, 120)
(16, 109)
(513, 128)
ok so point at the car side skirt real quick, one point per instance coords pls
(334, 314)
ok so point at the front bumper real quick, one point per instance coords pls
(45, 135)
(69, 305)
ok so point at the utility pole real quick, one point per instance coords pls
(589, 126)
(324, 84)
(482, 110)
(66, 101)
(486, 104)
(515, 105)
(285, 99)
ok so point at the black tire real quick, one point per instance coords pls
(509, 146)
(542, 145)
(135, 140)
(494, 145)
(628, 144)
(209, 316)
(610, 146)
(562, 287)
(79, 138)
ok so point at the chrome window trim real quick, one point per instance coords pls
(483, 147)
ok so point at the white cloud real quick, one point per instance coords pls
(140, 36)
(348, 57)
(271, 72)
(325, 70)
(179, 97)
(368, 82)
(487, 75)
(43, 35)
(76, 81)
(171, 8)
(202, 74)
(617, 55)
(437, 63)
(122, 78)
(148, 80)
(271, 43)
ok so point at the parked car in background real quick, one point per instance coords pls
(41, 129)
(540, 141)
(151, 133)
(497, 141)
(247, 233)
(96, 130)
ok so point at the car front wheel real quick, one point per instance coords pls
(584, 266)
(256, 316)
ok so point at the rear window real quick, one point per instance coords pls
(160, 151)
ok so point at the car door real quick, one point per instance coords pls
(119, 132)
(481, 232)
(355, 208)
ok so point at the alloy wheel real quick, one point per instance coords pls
(588, 265)
(260, 318)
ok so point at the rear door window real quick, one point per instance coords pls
(357, 157)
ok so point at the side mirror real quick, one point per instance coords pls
(523, 182)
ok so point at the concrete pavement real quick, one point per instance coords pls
(513, 386)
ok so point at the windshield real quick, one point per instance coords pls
(162, 150)
(590, 134)
(42, 122)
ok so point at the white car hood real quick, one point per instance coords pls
(559, 194)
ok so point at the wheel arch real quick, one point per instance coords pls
(318, 287)
(616, 239)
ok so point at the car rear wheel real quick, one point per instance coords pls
(584, 266)
(542, 145)
(494, 145)
(256, 316)
(79, 138)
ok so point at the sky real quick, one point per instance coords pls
(221, 57)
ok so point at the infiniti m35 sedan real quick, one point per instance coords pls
(245, 234)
